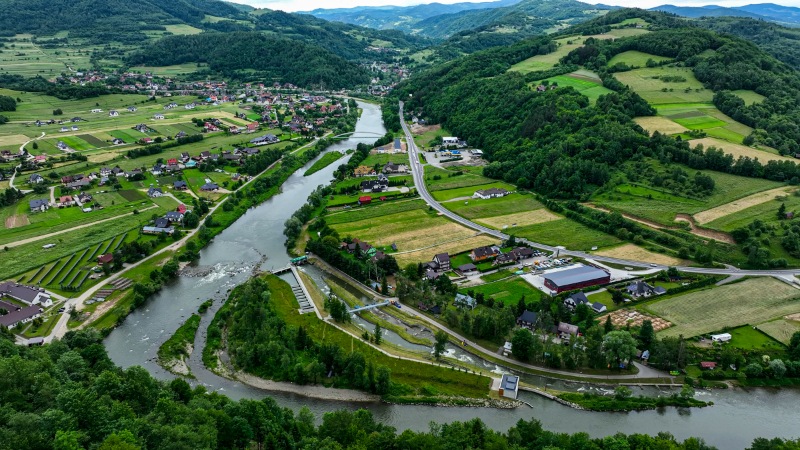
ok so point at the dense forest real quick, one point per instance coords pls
(252, 55)
(781, 42)
(69, 395)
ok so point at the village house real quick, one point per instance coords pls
(379, 185)
(442, 261)
(465, 301)
(131, 109)
(173, 216)
(158, 116)
(35, 179)
(209, 187)
(84, 197)
(566, 331)
(264, 140)
(65, 200)
(486, 194)
(117, 141)
(39, 205)
(575, 299)
(467, 269)
(504, 259)
(108, 258)
(180, 185)
(113, 113)
(155, 192)
(29, 295)
(484, 253)
(363, 171)
(640, 288)
(527, 319)
(391, 167)
(521, 253)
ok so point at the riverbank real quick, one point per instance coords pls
(306, 390)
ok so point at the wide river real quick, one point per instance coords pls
(736, 418)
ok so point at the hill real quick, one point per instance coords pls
(402, 18)
(252, 55)
(106, 20)
(781, 42)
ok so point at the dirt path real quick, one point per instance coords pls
(701, 232)
(52, 195)
(704, 232)
(68, 230)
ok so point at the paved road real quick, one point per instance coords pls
(417, 171)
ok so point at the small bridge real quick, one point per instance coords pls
(357, 134)
(358, 309)
(281, 270)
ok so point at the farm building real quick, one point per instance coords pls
(365, 200)
(509, 386)
(158, 230)
(29, 295)
(18, 315)
(576, 278)
(108, 258)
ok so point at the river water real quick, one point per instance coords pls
(736, 418)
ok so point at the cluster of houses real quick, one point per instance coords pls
(81, 200)
(565, 331)
(440, 264)
(364, 249)
(33, 299)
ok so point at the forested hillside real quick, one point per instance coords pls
(69, 395)
(105, 20)
(781, 42)
(251, 55)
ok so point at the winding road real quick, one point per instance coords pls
(417, 171)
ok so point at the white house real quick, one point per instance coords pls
(450, 140)
(97, 110)
(486, 194)
(158, 116)
(509, 386)
(113, 113)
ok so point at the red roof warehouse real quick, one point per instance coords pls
(577, 278)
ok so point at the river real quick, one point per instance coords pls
(736, 418)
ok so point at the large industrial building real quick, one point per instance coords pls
(576, 278)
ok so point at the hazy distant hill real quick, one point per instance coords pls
(400, 17)
(763, 11)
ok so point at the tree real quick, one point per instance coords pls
(794, 346)
(383, 380)
(647, 334)
(687, 392)
(378, 334)
(522, 344)
(608, 326)
(778, 368)
(619, 347)
(191, 219)
(617, 297)
(782, 211)
(622, 392)
(439, 344)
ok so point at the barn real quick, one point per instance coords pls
(575, 278)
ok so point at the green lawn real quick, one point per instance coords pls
(749, 97)
(565, 232)
(603, 297)
(507, 291)
(372, 211)
(382, 158)
(499, 275)
(441, 179)
(749, 338)
(512, 203)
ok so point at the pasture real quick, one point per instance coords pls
(167, 71)
(544, 62)
(763, 208)
(441, 180)
(651, 85)
(373, 211)
(382, 159)
(451, 247)
(751, 301)
(636, 253)
(493, 207)
(634, 58)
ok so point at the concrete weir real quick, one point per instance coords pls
(300, 291)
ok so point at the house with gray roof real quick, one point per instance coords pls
(30, 295)
(39, 205)
(19, 316)
(509, 386)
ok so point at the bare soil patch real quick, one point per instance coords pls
(19, 220)
(704, 232)
(660, 124)
(422, 129)
(735, 206)
(738, 150)
(519, 219)
(636, 253)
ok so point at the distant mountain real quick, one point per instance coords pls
(762, 11)
(528, 17)
(400, 17)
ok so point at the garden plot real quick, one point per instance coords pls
(622, 317)
(751, 301)
(661, 124)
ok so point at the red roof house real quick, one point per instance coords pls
(710, 365)
(105, 259)
(182, 209)
(365, 200)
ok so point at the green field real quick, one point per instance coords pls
(648, 83)
(507, 291)
(749, 338)
(424, 140)
(373, 211)
(449, 179)
(585, 85)
(663, 206)
(781, 330)
(544, 62)
(173, 70)
(468, 191)
(565, 232)
(510, 204)
(635, 58)
(700, 122)
(76, 143)
(751, 301)
(382, 158)
(749, 97)
(766, 212)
